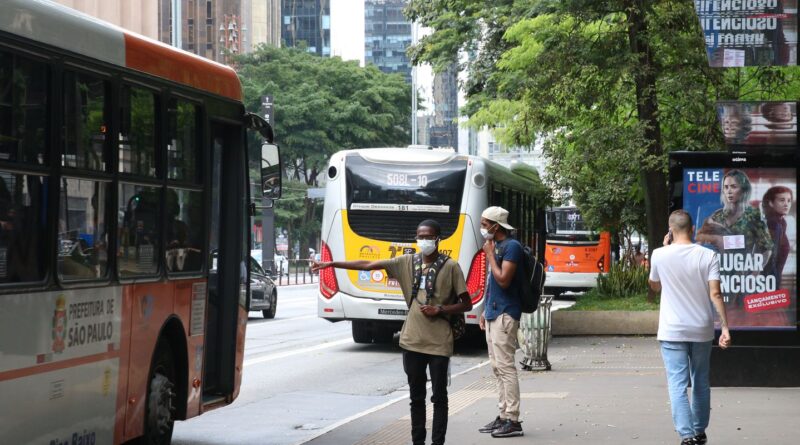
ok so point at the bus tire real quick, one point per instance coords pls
(384, 334)
(273, 306)
(159, 417)
(361, 332)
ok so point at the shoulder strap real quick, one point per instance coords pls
(416, 273)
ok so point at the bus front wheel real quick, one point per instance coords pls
(160, 406)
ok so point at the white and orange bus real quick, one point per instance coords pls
(574, 255)
(123, 303)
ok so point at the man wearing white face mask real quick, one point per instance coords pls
(500, 318)
(426, 336)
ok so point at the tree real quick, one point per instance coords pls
(322, 105)
(611, 87)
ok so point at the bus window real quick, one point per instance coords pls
(138, 241)
(23, 86)
(184, 241)
(137, 132)
(85, 122)
(82, 229)
(182, 149)
(22, 227)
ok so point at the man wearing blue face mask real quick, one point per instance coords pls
(426, 336)
(500, 318)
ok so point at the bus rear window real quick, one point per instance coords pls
(387, 201)
(566, 222)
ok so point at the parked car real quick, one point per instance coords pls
(263, 292)
(279, 263)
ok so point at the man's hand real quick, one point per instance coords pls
(430, 311)
(725, 338)
(315, 266)
(488, 247)
(482, 323)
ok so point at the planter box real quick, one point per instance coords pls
(604, 323)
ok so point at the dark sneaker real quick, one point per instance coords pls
(509, 428)
(491, 426)
(700, 439)
(688, 441)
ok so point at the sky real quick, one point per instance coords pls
(347, 42)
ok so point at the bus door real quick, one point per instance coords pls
(227, 280)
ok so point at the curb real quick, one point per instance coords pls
(566, 323)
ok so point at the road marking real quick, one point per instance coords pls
(271, 357)
(282, 320)
(369, 411)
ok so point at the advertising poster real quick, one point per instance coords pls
(742, 33)
(749, 217)
(758, 123)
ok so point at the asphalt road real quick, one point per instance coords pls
(304, 375)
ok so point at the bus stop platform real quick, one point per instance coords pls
(601, 390)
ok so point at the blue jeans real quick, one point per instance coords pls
(685, 361)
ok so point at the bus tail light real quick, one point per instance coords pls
(476, 278)
(327, 277)
(601, 263)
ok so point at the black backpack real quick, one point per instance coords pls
(530, 279)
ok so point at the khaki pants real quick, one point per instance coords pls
(501, 338)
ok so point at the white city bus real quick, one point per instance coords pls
(374, 200)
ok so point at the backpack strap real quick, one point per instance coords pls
(430, 276)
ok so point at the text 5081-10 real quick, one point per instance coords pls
(406, 180)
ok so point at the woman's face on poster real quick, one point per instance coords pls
(730, 125)
(732, 190)
(781, 203)
(780, 112)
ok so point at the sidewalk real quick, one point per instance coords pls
(601, 390)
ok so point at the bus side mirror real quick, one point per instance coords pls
(270, 171)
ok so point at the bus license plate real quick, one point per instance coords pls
(392, 312)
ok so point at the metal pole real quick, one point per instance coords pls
(413, 89)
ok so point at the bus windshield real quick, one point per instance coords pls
(386, 201)
(405, 187)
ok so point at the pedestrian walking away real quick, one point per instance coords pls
(434, 289)
(687, 275)
(500, 318)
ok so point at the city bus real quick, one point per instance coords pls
(575, 255)
(123, 302)
(374, 200)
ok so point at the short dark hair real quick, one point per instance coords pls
(437, 229)
(681, 221)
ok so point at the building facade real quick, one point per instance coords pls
(139, 16)
(444, 130)
(218, 29)
(387, 35)
(307, 23)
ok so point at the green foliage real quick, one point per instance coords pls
(593, 301)
(623, 281)
(321, 105)
(324, 104)
(609, 87)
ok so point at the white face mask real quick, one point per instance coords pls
(486, 235)
(427, 246)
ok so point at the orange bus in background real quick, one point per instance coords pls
(574, 255)
(123, 302)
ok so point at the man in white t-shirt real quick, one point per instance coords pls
(688, 277)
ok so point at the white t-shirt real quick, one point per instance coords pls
(684, 271)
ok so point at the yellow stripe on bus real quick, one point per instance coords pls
(357, 247)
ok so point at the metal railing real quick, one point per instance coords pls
(291, 271)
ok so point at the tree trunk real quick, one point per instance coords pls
(652, 176)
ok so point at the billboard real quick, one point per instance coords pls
(762, 124)
(749, 216)
(742, 33)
